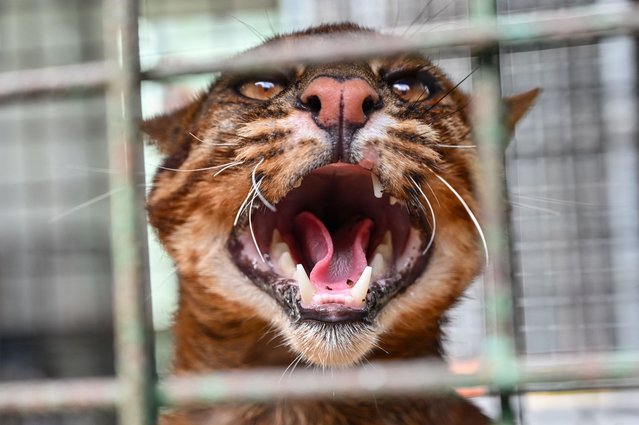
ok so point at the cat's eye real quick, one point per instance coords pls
(261, 89)
(411, 89)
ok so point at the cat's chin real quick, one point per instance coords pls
(331, 344)
(335, 250)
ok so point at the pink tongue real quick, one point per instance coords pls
(338, 257)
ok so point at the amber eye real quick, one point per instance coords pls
(260, 89)
(410, 89)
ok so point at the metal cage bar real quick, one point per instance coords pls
(133, 329)
(134, 392)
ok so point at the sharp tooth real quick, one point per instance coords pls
(278, 250)
(286, 264)
(359, 291)
(306, 287)
(393, 200)
(297, 183)
(377, 186)
(385, 247)
(379, 266)
(276, 238)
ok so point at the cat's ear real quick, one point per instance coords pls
(169, 131)
(516, 107)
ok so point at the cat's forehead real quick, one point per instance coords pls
(324, 37)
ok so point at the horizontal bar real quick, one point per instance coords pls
(32, 82)
(383, 379)
(526, 28)
(59, 395)
(609, 371)
(517, 29)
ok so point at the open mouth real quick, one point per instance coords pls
(336, 249)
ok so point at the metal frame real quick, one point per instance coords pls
(135, 392)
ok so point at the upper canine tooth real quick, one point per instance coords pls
(307, 290)
(297, 183)
(377, 186)
(360, 289)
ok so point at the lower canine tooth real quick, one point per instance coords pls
(379, 266)
(359, 291)
(377, 186)
(286, 264)
(306, 287)
(393, 200)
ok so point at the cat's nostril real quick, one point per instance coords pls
(313, 104)
(368, 107)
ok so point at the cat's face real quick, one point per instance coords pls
(334, 201)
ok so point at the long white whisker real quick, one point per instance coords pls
(535, 208)
(434, 194)
(215, 167)
(468, 210)
(251, 227)
(432, 213)
(232, 164)
(257, 190)
(207, 143)
(241, 209)
(85, 204)
(292, 364)
(456, 146)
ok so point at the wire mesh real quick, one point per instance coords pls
(571, 171)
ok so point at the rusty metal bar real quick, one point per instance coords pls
(386, 378)
(526, 28)
(382, 379)
(59, 395)
(132, 324)
(490, 137)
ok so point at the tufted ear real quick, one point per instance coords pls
(169, 131)
(516, 107)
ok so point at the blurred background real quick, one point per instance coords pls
(572, 170)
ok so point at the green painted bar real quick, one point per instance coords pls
(490, 138)
(134, 365)
(526, 28)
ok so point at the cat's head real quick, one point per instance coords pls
(336, 201)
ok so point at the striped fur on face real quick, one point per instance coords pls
(270, 172)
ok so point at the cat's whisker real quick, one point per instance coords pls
(434, 194)
(188, 170)
(557, 201)
(230, 165)
(292, 365)
(453, 88)
(257, 188)
(242, 207)
(432, 213)
(468, 210)
(85, 204)
(257, 247)
(208, 143)
(456, 146)
(535, 208)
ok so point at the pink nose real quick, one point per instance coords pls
(331, 101)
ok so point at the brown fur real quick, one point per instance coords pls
(224, 321)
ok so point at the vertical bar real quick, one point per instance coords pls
(134, 364)
(491, 140)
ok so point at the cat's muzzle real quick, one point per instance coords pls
(336, 249)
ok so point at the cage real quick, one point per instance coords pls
(569, 340)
